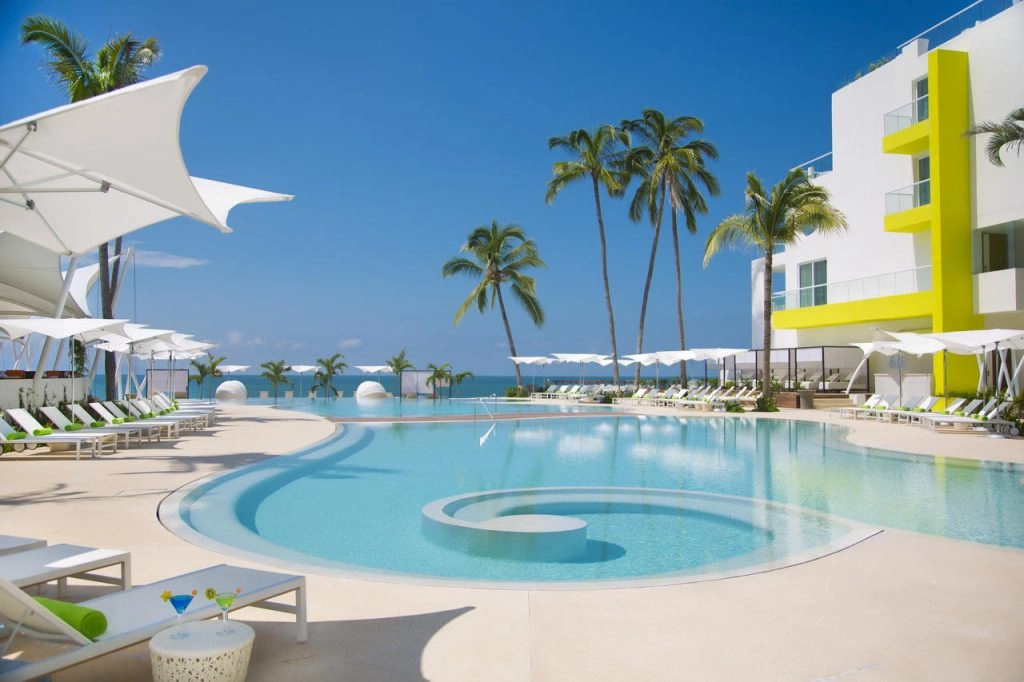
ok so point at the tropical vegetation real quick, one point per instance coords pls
(273, 371)
(440, 375)
(1008, 134)
(597, 157)
(325, 373)
(119, 62)
(456, 380)
(776, 218)
(496, 255)
(399, 364)
(205, 370)
(672, 168)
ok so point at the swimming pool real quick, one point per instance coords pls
(355, 503)
(344, 408)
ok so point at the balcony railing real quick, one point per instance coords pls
(887, 284)
(907, 115)
(906, 198)
(819, 165)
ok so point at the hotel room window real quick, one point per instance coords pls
(923, 186)
(813, 283)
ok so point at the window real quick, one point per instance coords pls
(923, 186)
(995, 251)
(921, 100)
(813, 284)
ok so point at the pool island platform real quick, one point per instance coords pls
(896, 606)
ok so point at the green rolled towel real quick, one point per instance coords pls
(74, 427)
(162, 412)
(117, 420)
(42, 432)
(958, 413)
(146, 415)
(16, 435)
(918, 409)
(98, 424)
(89, 622)
(128, 420)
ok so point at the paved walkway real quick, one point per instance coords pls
(899, 606)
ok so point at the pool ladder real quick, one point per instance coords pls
(494, 422)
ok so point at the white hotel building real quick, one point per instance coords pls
(936, 232)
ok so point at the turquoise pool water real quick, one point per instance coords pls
(354, 503)
(343, 408)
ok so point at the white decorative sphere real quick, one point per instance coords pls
(232, 390)
(370, 390)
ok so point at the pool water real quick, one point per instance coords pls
(354, 503)
(343, 408)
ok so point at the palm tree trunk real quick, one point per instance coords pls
(647, 284)
(508, 332)
(679, 297)
(766, 372)
(607, 286)
(107, 312)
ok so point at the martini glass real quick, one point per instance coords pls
(224, 601)
(180, 602)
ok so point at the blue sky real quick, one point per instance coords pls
(401, 126)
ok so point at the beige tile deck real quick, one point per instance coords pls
(899, 606)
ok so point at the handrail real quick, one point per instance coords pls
(944, 21)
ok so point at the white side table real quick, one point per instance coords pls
(203, 655)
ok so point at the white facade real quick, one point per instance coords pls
(867, 261)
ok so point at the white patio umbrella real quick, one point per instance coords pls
(533, 361)
(70, 179)
(914, 344)
(57, 328)
(646, 360)
(231, 369)
(715, 354)
(980, 342)
(374, 369)
(302, 369)
(578, 357)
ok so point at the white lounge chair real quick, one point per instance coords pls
(60, 562)
(9, 544)
(171, 427)
(61, 423)
(97, 442)
(135, 615)
(135, 428)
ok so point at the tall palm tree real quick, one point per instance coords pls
(1007, 133)
(496, 258)
(118, 63)
(597, 155)
(399, 364)
(439, 375)
(324, 375)
(274, 373)
(672, 169)
(776, 219)
(206, 370)
(456, 380)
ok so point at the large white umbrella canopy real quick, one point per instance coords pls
(578, 357)
(374, 369)
(533, 361)
(56, 328)
(82, 174)
(31, 281)
(231, 369)
(302, 369)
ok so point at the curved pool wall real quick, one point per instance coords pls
(404, 408)
(353, 504)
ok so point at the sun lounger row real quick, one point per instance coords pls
(105, 427)
(130, 615)
(960, 414)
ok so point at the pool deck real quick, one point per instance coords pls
(898, 606)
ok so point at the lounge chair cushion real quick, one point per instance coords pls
(16, 435)
(89, 622)
(42, 432)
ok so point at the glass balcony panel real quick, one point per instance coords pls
(877, 286)
(906, 198)
(906, 115)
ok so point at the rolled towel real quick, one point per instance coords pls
(42, 432)
(16, 435)
(89, 622)
(98, 424)
(117, 420)
(74, 427)
(128, 420)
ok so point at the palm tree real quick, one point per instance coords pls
(776, 219)
(1007, 133)
(399, 364)
(274, 373)
(205, 370)
(439, 375)
(597, 155)
(457, 380)
(324, 376)
(496, 258)
(118, 63)
(671, 167)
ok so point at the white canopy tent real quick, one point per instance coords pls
(979, 343)
(302, 369)
(533, 361)
(71, 180)
(899, 342)
(580, 358)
